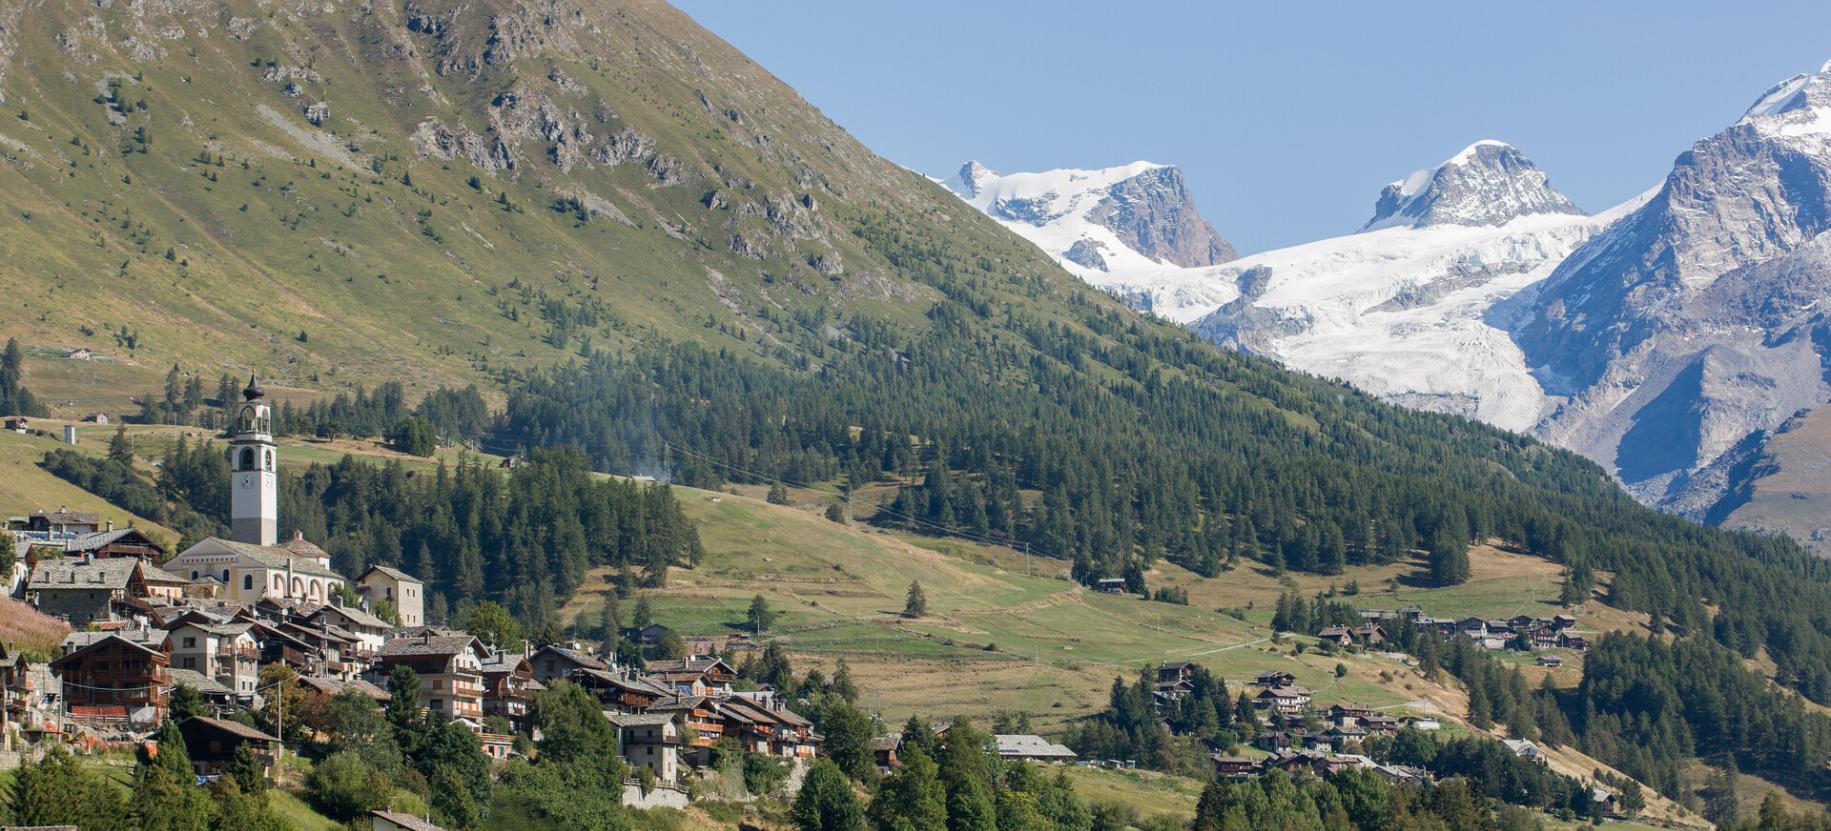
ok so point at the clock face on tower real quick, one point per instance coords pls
(247, 481)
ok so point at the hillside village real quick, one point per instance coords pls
(224, 618)
(229, 619)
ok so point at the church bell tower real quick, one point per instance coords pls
(254, 503)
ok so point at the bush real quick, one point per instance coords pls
(343, 787)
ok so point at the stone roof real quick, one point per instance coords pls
(155, 574)
(1032, 747)
(390, 571)
(405, 821)
(427, 645)
(502, 662)
(353, 615)
(299, 546)
(234, 728)
(96, 539)
(52, 575)
(574, 656)
(638, 720)
(275, 557)
(199, 682)
(67, 517)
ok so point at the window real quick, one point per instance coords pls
(189, 663)
(190, 642)
(193, 574)
(247, 458)
(248, 582)
(216, 746)
(269, 455)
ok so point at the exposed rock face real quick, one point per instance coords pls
(1699, 319)
(1488, 183)
(1119, 220)
(1154, 215)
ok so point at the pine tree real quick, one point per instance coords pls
(165, 796)
(187, 702)
(826, 801)
(247, 772)
(759, 617)
(1449, 560)
(14, 398)
(915, 603)
(912, 798)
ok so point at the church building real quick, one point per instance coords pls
(251, 565)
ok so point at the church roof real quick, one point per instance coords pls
(273, 556)
(302, 547)
(253, 390)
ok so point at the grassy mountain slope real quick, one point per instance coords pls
(1786, 487)
(487, 184)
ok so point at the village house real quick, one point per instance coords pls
(625, 692)
(701, 725)
(650, 636)
(762, 729)
(883, 752)
(84, 590)
(212, 743)
(403, 590)
(509, 687)
(370, 631)
(1235, 767)
(115, 542)
(1031, 749)
(1339, 635)
(62, 523)
(331, 686)
(450, 669)
(552, 662)
(1569, 641)
(1525, 750)
(1550, 661)
(1349, 714)
(18, 424)
(694, 676)
(1275, 678)
(380, 820)
(1285, 699)
(1370, 634)
(1110, 585)
(226, 653)
(650, 741)
(115, 678)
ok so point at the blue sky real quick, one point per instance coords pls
(1286, 117)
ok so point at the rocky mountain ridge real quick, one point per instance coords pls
(1666, 338)
(1488, 183)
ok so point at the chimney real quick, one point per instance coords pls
(110, 525)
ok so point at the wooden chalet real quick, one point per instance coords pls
(1235, 767)
(116, 542)
(114, 677)
(694, 676)
(212, 743)
(509, 687)
(1275, 678)
(552, 661)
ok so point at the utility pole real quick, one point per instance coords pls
(1026, 559)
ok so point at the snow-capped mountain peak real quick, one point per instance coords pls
(1487, 183)
(972, 176)
(1115, 220)
(1797, 106)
